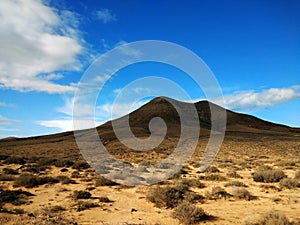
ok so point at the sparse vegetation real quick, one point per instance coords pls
(212, 169)
(171, 196)
(80, 165)
(83, 205)
(104, 199)
(56, 209)
(235, 183)
(10, 171)
(15, 160)
(233, 174)
(29, 180)
(65, 180)
(189, 214)
(217, 193)
(191, 183)
(269, 218)
(297, 175)
(16, 197)
(241, 193)
(213, 177)
(289, 183)
(5, 177)
(102, 181)
(82, 195)
(268, 175)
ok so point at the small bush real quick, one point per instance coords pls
(5, 177)
(217, 193)
(102, 181)
(270, 218)
(76, 174)
(17, 197)
(34, 168)
(15, 160)
(233, 174)
(81, 205)
(167, 196)
(63, 163)
(171, 196)
(214, 177)
(270, 187)
(80, 165)
(82, 195)
(10, 171)
(56, 209)
(65, 180)
(104, 199)
(268, 176)
(29, 180)
(241, 193)
(212, 169)
(188, 214)
(235, 183)
(289, 183)
(191, 183)
(47, 162)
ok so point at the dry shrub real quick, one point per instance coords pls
(212, 169)
(235, 183)
(82, 205)
(104, 199)
(214, 177)
(65, 180)
(80, 165)
(191, 183)
(29, 180)
(171, 196)
(10, 171)
(289, 183)
(5, 177)
(188, 214)
(270, 187)
(268, 175)
(82, 195)
(241, 193)
(217, 193)
(102, 181)
(15, 160)
(16, 197)
(233, 174)
(272, 217)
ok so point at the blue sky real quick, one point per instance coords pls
(252, 47)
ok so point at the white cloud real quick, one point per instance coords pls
(36, 39)
(5, 121)
(105, 16)
(254, 100)
(64, 124)
(3, 104)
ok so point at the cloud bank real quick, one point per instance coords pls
(36, 42)
(256, 100)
